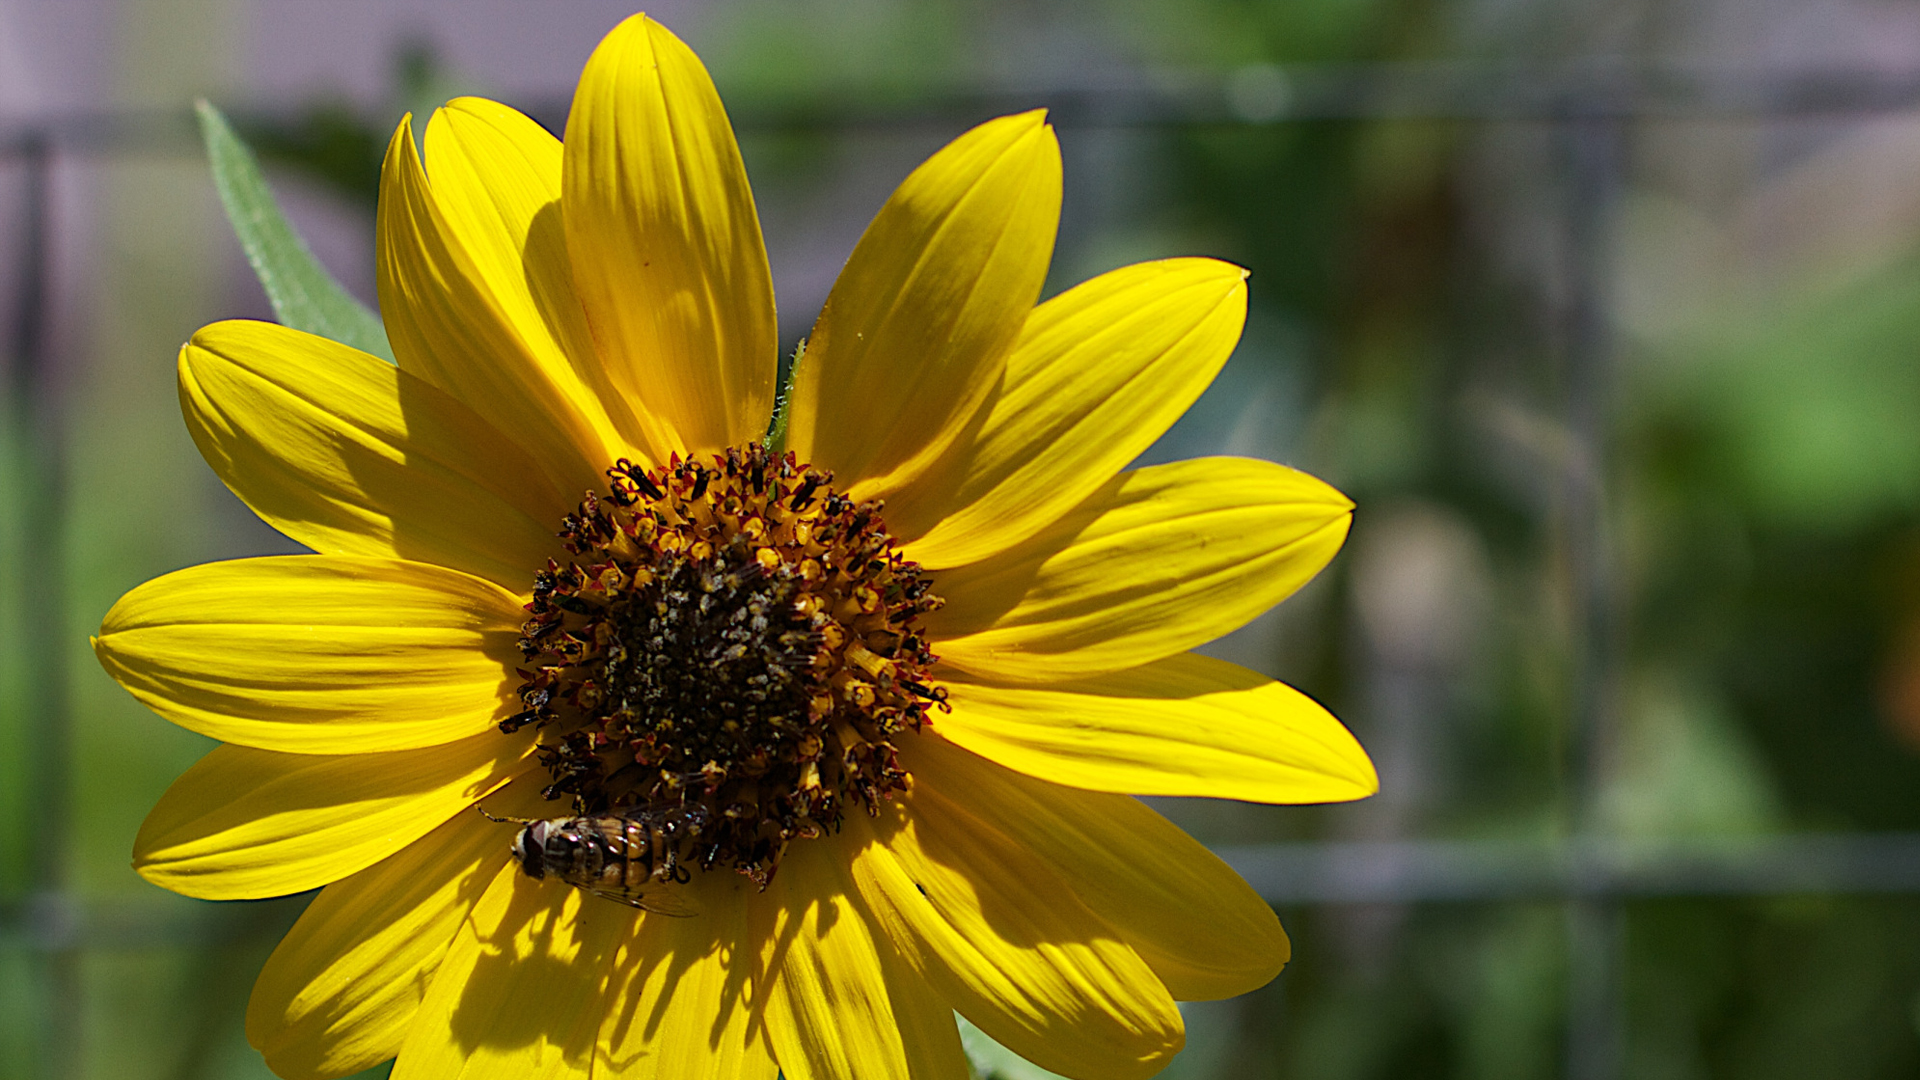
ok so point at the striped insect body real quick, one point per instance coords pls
(638, 857)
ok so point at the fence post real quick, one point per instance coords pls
(37, 399)
(1590, 132)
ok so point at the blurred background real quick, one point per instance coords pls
(1606, 312)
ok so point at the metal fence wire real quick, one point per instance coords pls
(1588, 110)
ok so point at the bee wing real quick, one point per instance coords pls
(656, 902)
(618, 897)
(668, 903)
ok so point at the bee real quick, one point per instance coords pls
(635, 856)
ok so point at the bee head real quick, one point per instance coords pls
(530, 847)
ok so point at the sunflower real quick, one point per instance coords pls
(818, 732)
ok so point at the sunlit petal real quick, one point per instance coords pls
(521, 990)
(323, 654)
(1157, 561)
(680, 1004)
(461, 317)
(914, 337)
(666, 245)
(340, 991)
(1186, 725)
(350, 455)
(1098, 374)
(839, 1000)
(1003, 939)
(244, 824)
(1204, 932)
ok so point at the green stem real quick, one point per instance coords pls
(777, 429)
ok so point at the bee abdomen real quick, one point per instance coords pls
(638, 849)
(623, 856)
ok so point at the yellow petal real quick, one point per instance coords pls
(458, 309)
(522, 990)
(913, 340)
(496, 178)
(1202, 930)
(665, 242)
(318, 654)
(352, 456)
(1159, 560)
(1003, 939)
(244, 823)
(840, 1002)
(338, 993)
(1098, 374)
(927, 1027)
(1185, 725)
(681, 999)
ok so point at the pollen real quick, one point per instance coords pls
(732, 636)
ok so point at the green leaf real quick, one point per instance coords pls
(303, 294)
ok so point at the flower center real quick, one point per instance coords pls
(736, 640)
